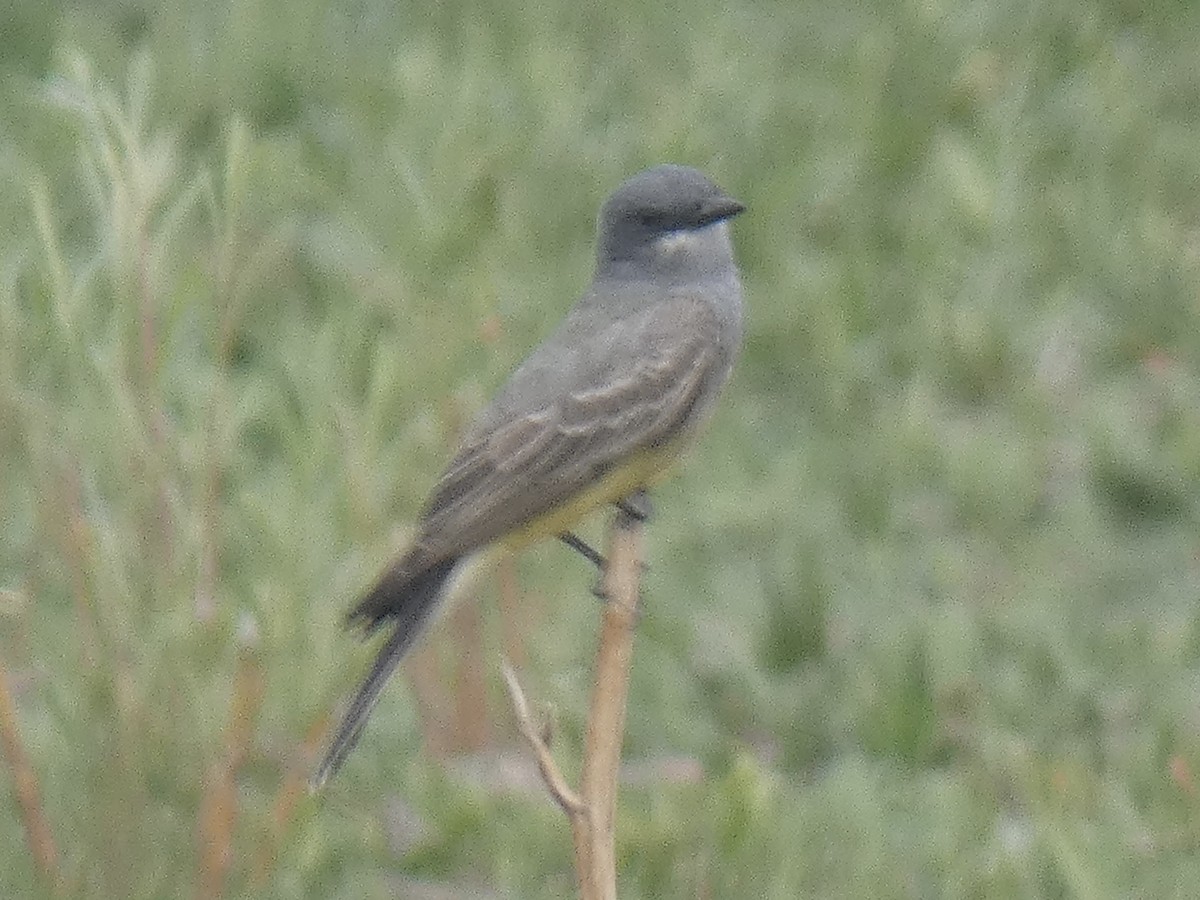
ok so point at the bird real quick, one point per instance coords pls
(596, 413)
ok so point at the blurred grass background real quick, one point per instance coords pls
(921, 617)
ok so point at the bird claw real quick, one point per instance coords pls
(637, 506)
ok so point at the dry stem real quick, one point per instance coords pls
(562, 793)
(25, 786)
(293, 789)
(592, 810)
(219, 804)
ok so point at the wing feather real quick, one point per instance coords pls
(639, 396)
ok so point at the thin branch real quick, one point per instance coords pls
(25, 786)
(562, 793)
(219, 803)
(77, 551)
(592, 811)
(291, 791)
(516, 612)
(610, 693)
(471, 723)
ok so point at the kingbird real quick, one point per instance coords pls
(598, 411)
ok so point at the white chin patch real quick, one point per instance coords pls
(674, 241)
(687, 239)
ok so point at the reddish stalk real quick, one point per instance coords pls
(25, 787)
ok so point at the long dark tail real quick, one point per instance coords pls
(408, 607)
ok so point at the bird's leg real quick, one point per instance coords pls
(583, 548)
(637, 506)
(591, 554)
(634, 509)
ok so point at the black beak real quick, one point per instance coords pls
(719, 208)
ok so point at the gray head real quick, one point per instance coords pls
(668, 221)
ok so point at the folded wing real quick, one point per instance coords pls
(639, 396)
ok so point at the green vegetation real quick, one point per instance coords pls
(923, 606)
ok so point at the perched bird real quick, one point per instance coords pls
(597, 412)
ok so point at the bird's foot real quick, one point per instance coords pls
(637, 506)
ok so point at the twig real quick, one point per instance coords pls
(77, 552)
(555, 782)
(592, 811)
(25, 786)
(515, 611)
(291, 791)
(432, 697)
(610, 692)
(219, 804)
(470, 727)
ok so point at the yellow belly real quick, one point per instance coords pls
(642, 470)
